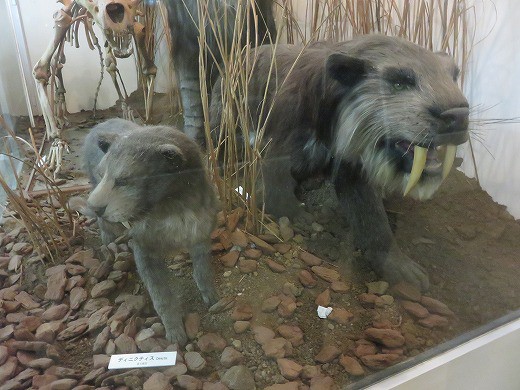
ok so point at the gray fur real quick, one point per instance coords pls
(183, 18)
(154, 178)
(338, 110)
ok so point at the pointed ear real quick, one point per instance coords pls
(105, 140)
(449, 64)
(173, 153)
(348, 71)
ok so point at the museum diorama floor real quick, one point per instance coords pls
(61, 320)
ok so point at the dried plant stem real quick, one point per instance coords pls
(43, 223)
(440, 25)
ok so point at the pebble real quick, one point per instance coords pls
(322, 383)
(262, 334)
(4, 354)
(277, 348)
(103, 288)
(194, 361)
(287, 306)
(323, 299)
(327, 354)
(381, 360)
(238, 378)
(434, 321)
(292, 333)
(210, 342)
(75, 281)
(339, 287)
(99, 318)
(14, 263)
(242, 312)
(30, 322)
(56, 284)
(231, 357)
(78, 295)
(325, 273)
(8, 369)
(75, 269)
(289, 368)
(175, 371)
(26, 300)
(230, 259)
(125, 344)
(310, 259)
(48, 331)
(437, 307)
(351, 365)
(306, 279)
(365, 347)
(262, 245)
(310, 371)
(144, 334)
(275, 266)
(189, 382)
(101, 340)
(253, 253)
(239, 238)
(292, 289)
(378, 288)
(390, 338)
(157, 381)
(241, 326)
(270, 304)
(74, 328)
(286, 232)
(340, 316)
(282, 247)
(415, 309)
(55, 312)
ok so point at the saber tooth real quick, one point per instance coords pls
(126, 224)
(419, 161)
(449, 157)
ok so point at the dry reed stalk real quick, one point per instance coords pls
(435, 24)
(45, 224)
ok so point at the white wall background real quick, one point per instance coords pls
(493, 85)
(493, 89)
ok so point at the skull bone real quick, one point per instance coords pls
(116, 18)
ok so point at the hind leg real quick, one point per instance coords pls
(203, 272)
(279, 187)
(155, 276)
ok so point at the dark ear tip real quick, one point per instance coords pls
(346, 69)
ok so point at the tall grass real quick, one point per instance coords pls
(47, 219)
(438, 25)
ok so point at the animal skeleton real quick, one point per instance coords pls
(117, 20)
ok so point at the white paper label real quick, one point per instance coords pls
(132, 360)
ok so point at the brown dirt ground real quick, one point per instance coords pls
(469, 244)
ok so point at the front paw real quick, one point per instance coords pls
(394, 266)
(175, 333)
